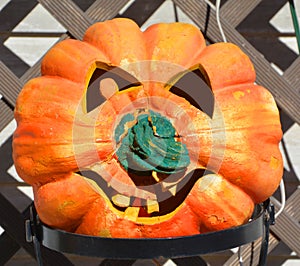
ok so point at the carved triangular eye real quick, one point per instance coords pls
(122, 79)
(193, 87)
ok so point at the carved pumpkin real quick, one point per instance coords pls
(162, 167)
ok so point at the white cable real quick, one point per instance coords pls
(210, 4)
(217, 9)
(283, 198)
(218, 3)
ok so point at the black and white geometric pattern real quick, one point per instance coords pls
(28, 30)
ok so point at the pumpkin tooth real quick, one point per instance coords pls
(165, 186)
(152, 206)
(132, 213)
(173, 190)
(121, 200)
(154, 175)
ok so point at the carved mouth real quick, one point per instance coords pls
(171, 193)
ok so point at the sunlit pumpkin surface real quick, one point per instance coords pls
(150, 159)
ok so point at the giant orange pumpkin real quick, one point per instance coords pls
(163, 167)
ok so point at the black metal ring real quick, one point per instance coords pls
(148, 248)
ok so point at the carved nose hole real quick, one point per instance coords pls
(123, 80)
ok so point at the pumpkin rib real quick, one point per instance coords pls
(127, 53)
(243, 146)
(37, 126)
(223, 205)
(111, 37)
(61, 135)
(64, 208)
(225, 64)
(164, 40)
(37, 92)
(73, 60)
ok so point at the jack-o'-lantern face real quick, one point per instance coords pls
(146, 134)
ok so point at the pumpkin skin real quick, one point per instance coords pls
(246, 164)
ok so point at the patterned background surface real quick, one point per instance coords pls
(28, 30)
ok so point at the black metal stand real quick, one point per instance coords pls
(149, 248)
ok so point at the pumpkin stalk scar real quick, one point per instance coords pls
(141, 150)
(129, 124)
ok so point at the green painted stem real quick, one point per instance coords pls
(150, 145)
